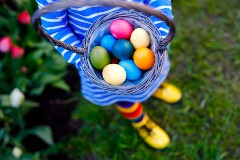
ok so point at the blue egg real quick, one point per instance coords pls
(133, 72)
(107, 42)
(122, 49)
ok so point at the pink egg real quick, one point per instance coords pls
(121, 29)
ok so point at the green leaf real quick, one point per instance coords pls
(48, 78)
(1, 114)
(44, 133)
(29, 156)
(5, 101)
(36, 76)
(29, 103)
(61, 85)
(4, 22)
(22, 83)
(56, 63)
(6, 139)
(37, 90)
(34, 56)
(2, 133)
(36, 156)
(43, 45)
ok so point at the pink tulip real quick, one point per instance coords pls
(5, 44)
(24, 17)
(17, 51)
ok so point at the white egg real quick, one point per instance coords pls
(114, 74)
(140, 38)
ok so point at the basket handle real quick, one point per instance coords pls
(63, 4)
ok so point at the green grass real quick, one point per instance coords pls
(205, 58)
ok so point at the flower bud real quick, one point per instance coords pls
(23, 69)
(17, 152)
(5, 44)
(24, 17)
(16, 97)
(17, 51)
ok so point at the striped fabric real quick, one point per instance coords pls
(70, 26)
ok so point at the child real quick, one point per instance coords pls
(70, 26)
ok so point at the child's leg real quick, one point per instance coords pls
(131, 111)
(155, 136)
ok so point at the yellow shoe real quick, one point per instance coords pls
(153, 135)
(168, 93)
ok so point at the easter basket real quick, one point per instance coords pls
(137, 15)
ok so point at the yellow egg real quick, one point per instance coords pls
(140, 38)
(114, 74)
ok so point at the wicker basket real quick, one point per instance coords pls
(158, 44)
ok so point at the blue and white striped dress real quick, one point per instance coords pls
(71, 25)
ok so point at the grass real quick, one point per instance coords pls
(205, 58)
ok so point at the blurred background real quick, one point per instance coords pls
(44, 117)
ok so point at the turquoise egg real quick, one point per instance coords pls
(107, 42)
(132, 71)
(122, 49)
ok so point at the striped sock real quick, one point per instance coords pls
(131, 111)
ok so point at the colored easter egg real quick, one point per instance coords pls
(140, 38)
(107, 42)
(114, 60)
(144, 58)
(133, 72)
(99, 57)
(121, 29)
(122, 49)
(114, 74)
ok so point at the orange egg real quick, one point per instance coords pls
(144, 58)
